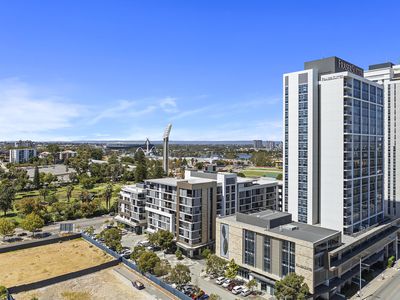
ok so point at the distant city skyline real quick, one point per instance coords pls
(123, 70)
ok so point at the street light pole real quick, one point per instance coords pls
(359, 291)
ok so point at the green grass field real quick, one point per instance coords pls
(261, 172)
(61, 195)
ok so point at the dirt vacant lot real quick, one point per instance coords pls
(105, 284)
(43, 262)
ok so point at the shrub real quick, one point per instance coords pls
(206, 253)
(391, 261)
(179, 254)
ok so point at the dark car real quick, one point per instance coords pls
(137, 284)
(231, 286)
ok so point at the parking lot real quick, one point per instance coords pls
(196, 266)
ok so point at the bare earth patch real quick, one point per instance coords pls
(105, 284)
(43, 262)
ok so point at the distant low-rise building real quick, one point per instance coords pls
(22, 155)
(66, 154)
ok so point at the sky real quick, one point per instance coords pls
(123, 70)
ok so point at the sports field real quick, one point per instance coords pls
(261, 172)
(43, 262)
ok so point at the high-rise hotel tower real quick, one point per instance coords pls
(388, 74)
(333, 154)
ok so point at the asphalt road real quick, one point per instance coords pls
(157, 293)
(390, 290)
(96, 222)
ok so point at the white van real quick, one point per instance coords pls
(237, 289)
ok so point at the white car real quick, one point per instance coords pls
(220, 280)
(237, 289)
(226, 283)
(245, 292)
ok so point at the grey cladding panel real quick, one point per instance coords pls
(303, 78)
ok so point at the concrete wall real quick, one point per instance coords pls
(41, 242)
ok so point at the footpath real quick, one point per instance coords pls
(385, 276)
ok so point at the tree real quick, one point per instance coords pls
(44, 192)
(279, 176)
(7, 228)
(69, 190)
(251, 284)
(162, 268)
(157, 170)
(7, 194)
(137, 251)
(147, 261)
(3, 293)
(86, 181)
(53, 149)
(206, 253)
(178, 254)
(36, 178)
(231, 269)
(162, 238)
(108, 195)
(32, 223)
(180, 275)
(27, 206)
(112, 237)
(141, 167)
(215, 265)
(85, 196)
(292, 286)
(89, 230)
(214, 297)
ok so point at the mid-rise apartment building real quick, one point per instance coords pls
(22, 155)
(333, 169)
(131, 207)
(388, 74)
(268, 245)
(185, 207)
(239, 194)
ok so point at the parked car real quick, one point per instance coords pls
(226, 283)
(204, 297)
(137, 284)
(245, 292)
(231, 286)
(144, 243)
(127, 253)
(237, 289)
(220, 280)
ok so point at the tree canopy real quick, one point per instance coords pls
(32, 223)
(291, 286)
(180, 275)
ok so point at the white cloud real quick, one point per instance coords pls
(169, 105)
(27, 112)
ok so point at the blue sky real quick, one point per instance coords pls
(87, 70)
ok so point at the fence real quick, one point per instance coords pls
(134, 267)
(9, 297)
(102, 247)
(61, 278)
(41, 242)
